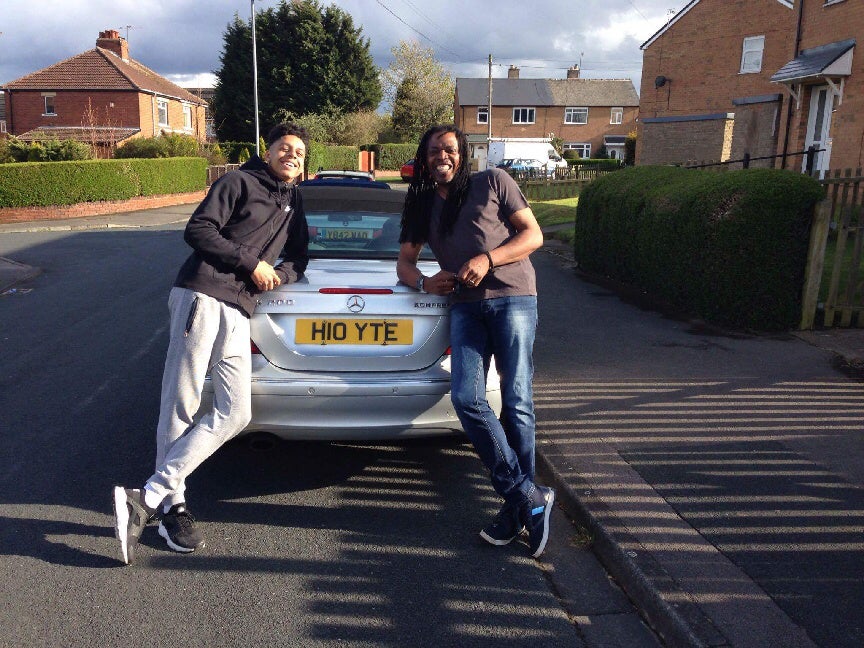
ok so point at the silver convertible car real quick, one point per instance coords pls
(348, 352)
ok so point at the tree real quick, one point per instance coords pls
(311, 59)
(419, 89)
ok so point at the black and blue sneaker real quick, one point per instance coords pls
(535, 515)
(504, 528)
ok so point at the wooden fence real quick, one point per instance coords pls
(834, 272)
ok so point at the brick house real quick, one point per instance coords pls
(725, 78)
(101, 97)
(586, 113)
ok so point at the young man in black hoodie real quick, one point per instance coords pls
(236, 235)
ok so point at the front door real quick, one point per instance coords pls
(819, 128)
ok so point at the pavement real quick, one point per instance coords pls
(671, 571)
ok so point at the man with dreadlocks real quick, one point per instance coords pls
(482, 231)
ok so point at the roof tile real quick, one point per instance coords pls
(101, 69)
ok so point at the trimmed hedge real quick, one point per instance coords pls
(602, 164)
(321, 156)
(730, 247)
(66, 183)
(392, 156)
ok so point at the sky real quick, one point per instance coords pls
(182, 39)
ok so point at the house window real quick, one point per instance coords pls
(483, 115)
(162, 108)
(49, 104)
(583, 149)
(187, 117)
(751, 54)
(2, 125)
(575, 115)
(523, 115)
(617, 116)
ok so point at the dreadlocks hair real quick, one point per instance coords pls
(421, 191)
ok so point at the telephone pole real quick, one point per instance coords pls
(489, 106)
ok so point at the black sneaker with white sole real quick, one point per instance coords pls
(178, 528)
(131, 515)
(504, 528)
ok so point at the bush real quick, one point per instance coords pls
(232, 150)
(15, 150)
(36, 183)
(601, 164)
(5, 154)
(168, 145)
(729, 247)
(392, 156)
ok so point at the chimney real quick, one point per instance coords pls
(513, 72)
(110, 40)
(573, 72)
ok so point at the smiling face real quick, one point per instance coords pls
(443, 158)
(285, 157)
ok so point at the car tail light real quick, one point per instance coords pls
(355, 291)
(449, 351)
(254, 348)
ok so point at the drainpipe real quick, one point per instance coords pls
(789, 106)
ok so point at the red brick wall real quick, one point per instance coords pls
(80, 210)
(28, 107)
(129, 109)
(700, 55)
(686, 141)
(755, 132)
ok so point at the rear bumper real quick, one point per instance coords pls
(354, 406)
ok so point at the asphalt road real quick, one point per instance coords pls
(308, 544)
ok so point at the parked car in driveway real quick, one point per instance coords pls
(407, 171)
(348, 352)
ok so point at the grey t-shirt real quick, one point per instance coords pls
(484, 224)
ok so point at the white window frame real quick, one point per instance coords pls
(52, 98)
(572, 113)
(530, 115)
(752, 50)
(584, 148)
(616, 115)
(162, 106)
(483, 111)
(2, 125)
(187, 117)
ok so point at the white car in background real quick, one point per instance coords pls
(348, 352)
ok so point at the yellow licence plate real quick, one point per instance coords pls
(354, 331)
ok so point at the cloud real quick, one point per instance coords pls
(184, 38)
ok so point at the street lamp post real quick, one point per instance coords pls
(255, 82)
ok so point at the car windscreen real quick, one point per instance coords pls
(356, 235)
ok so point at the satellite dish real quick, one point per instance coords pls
(660, 81)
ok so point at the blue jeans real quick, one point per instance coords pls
(503, 327)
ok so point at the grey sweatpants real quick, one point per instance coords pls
(206, 335)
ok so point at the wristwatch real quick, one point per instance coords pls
(420, 281)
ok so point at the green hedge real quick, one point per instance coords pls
(603, 164)
(729, 247)
(66, 183)
(234, 151)
(390, 157)
(321, 156)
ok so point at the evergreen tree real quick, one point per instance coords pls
(311, 59)
(232, 104)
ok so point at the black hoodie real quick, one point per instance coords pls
(247, 216)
